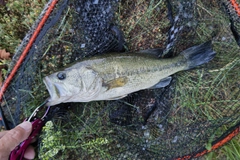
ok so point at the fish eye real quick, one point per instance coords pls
(61, 76)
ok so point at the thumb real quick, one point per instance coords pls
(14, 137)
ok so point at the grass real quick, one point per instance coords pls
(230, 151)
(214, 93)
(16, 19)
(208, 93)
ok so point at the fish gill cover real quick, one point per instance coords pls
(189, 117)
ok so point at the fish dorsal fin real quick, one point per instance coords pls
(157, 52)
(162, 83)
(117, 82)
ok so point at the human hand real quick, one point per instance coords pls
(12, 138)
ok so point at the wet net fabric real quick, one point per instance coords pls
(190, 115)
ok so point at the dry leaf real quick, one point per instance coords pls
(4, 54)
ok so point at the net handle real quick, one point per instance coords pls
(219, 143)
(235, 6)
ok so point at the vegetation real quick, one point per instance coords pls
(16, 19)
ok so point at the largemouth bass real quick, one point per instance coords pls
(114, 76)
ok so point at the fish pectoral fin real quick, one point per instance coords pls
(163, 83)
(116, 98)
(117, 82)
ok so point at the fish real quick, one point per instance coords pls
(113, 76)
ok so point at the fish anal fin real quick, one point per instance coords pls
(162, 83)
(116, 98)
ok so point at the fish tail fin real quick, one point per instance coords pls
(198, 55)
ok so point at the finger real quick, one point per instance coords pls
(30, 153)
(13, 138)
(3, 133)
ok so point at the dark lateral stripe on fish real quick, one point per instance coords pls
(148, 69)
(194, 56)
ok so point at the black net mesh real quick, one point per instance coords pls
(195, 110)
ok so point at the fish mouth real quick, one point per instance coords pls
(52, 89)
(56, 91)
